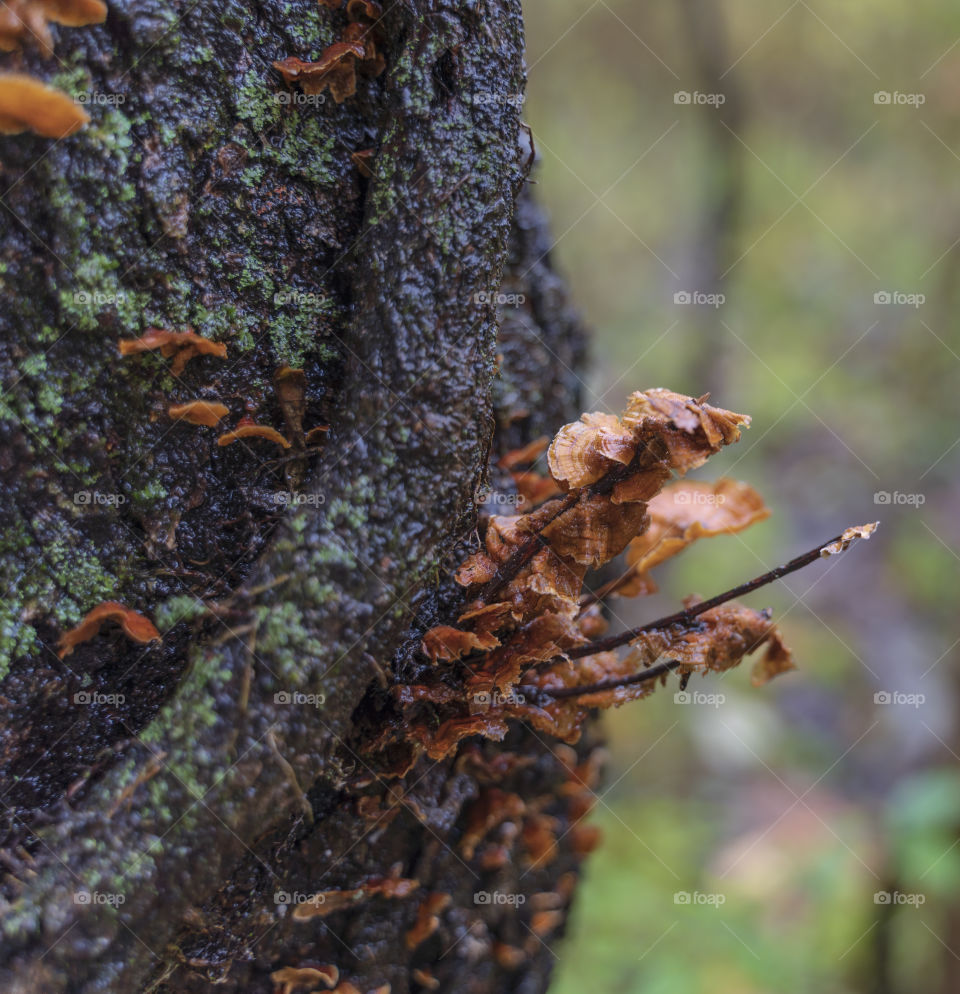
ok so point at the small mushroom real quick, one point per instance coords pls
(135, 627)
(199, 412)
(26, 104)
(182, 345)
(307, 977)
(246, 428)
(336, 69)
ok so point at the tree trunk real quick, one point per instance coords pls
(165, 805)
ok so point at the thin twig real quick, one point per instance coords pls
(680, 618)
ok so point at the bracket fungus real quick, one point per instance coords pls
(199, 412)
(26, 104)
(247, 428)
(135, 626)
(27, 20)
(336, 68)
(181, 345)
(529, 645)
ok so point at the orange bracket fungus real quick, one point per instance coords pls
(308, 978)
(357, 49)
(529, 645)
(336, 69)
(182, 345)
(26, 104)
(327, 902)
(199, 412)
(28, 19)
(135, 627)
(246, 428)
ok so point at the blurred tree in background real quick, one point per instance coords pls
(760, 201)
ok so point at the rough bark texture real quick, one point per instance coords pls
(192, 787)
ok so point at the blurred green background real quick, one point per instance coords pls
(816, 211)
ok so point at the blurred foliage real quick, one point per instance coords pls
(837, 198)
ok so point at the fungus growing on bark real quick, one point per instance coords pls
(181, 345)
(307, 978)
(428, 920)
(326, 902)
(135, 626)
(336, 69)
(539, 652)
(247, 428)
(362, 159)
(446, 643)
(27, 20)
(26, 104)
(679, 515)
(199, 412)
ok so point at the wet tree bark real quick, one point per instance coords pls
(166, 806)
